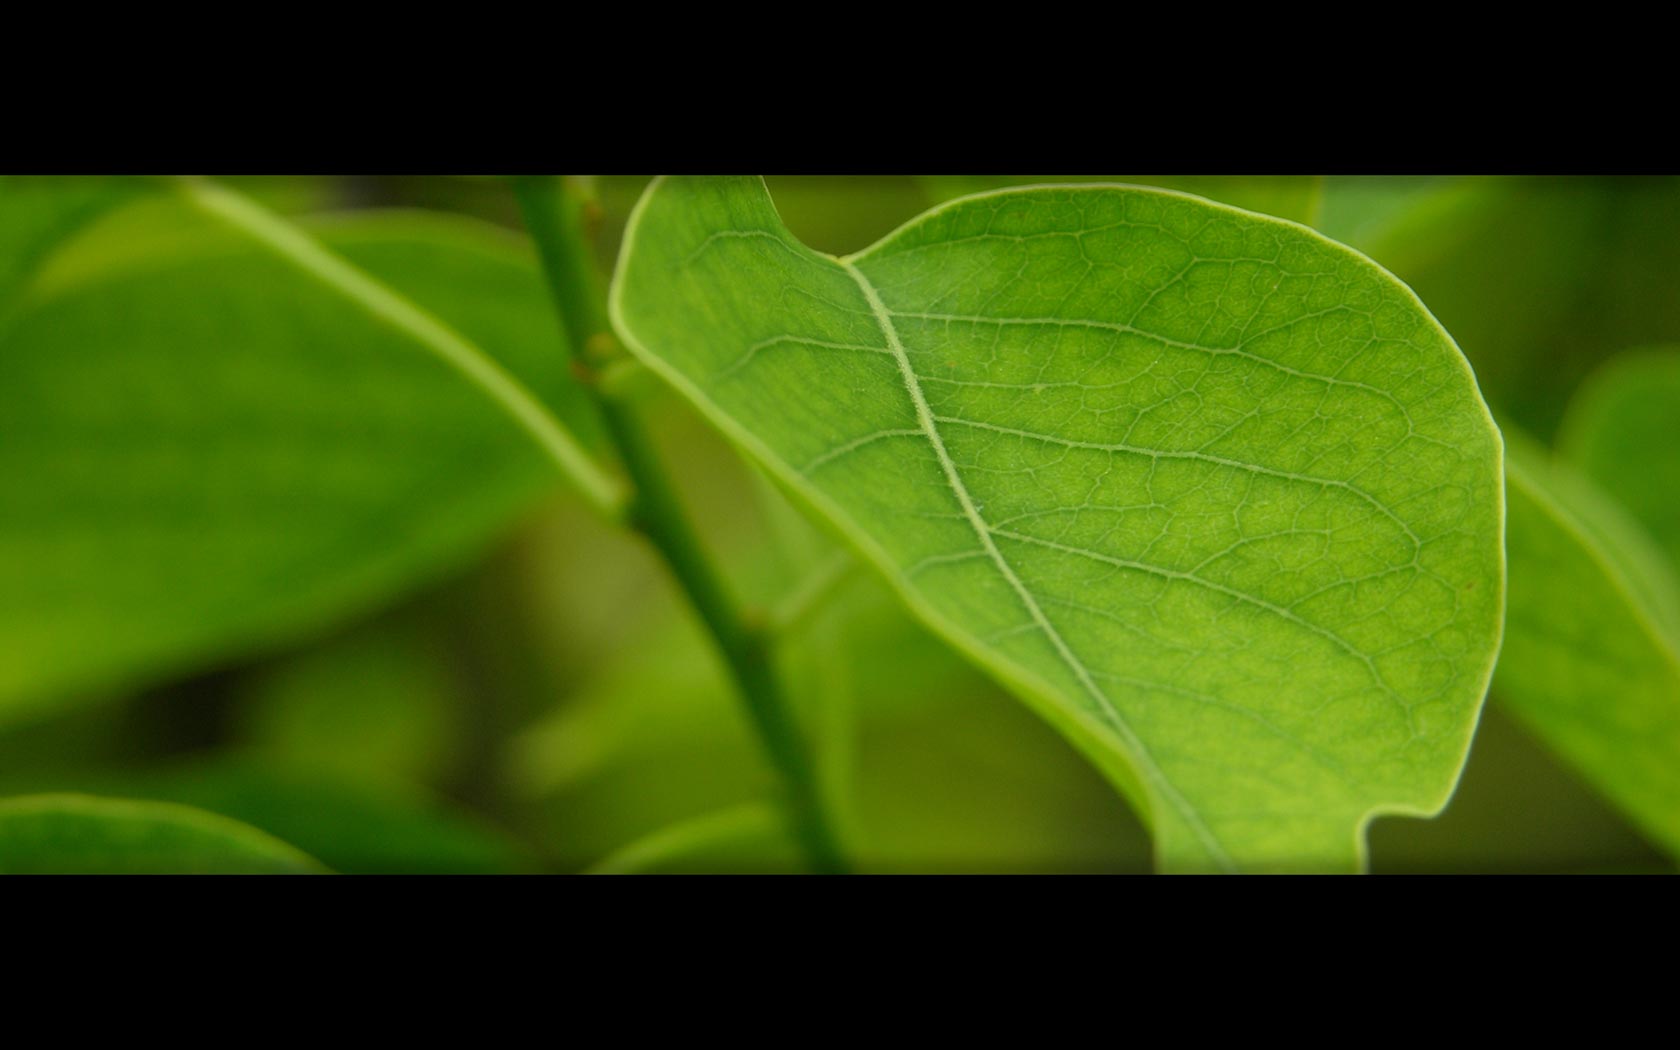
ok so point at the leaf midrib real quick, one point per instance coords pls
(925, 417)
(1020, 677)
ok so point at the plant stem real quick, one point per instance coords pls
(553, 213)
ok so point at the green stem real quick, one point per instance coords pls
(553, 213)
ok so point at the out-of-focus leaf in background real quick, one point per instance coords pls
(1623, 431)
(1591, 661)
(380, 700)
(37, 213)
(208, 452)
(353, 824)
(82, 835)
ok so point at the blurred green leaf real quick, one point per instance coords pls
(1258, 485)
(208, 452)
(1590, 661)
(689, 845)
(382, 700)
(83, 835)
(1622, 430)
(1384, 214)
(655, 739)
(356, 824)
(38, 213)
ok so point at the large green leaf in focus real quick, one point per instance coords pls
(205, 450)
(1293, 197)
(1217, 496)
(84, 835)
(1623, 431)
(1591, 662)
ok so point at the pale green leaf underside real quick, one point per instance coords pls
(84, 835)
(1215, 495)
(1591, 661)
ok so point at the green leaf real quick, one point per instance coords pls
(1382, 215)
(83, 835)
(1622, 429)
(38, 213)
(357, 825)
(209, 451)
(1293, 197)
(1591, 663)
(688, 845)
(1215, 495)
(381, 699)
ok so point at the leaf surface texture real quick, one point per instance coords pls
(1215, 495)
